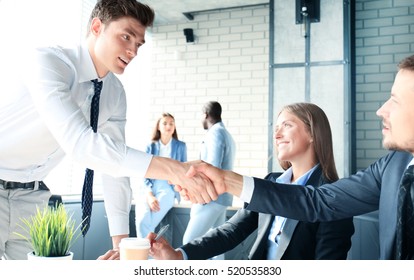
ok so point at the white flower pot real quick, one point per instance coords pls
(32, 256)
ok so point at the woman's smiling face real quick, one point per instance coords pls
(292, 138)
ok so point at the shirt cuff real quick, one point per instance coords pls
(248, 188)
(118, 225)
(136, 163)
(185, 257)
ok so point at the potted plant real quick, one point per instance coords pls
(51, 233)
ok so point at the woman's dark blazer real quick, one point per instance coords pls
(299, 240)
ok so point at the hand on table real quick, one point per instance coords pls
(112, 254)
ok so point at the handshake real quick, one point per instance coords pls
(202, 182)
(196, 181)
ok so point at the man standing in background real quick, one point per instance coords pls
(218, 149)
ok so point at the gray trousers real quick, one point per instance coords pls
(16, 204)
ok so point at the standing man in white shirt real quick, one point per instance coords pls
(45, 115)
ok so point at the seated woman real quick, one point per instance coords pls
(304, 149)
(160, 195)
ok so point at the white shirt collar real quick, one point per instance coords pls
(287, 175)
(86, 68)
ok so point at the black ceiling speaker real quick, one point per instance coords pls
(189, 35)
(308, 8)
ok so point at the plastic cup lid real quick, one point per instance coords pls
(135, 242)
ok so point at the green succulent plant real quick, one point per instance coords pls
(51, 231)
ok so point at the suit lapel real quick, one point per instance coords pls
(257, 252)
(290, 224)
(285, 237)
(173, 148)
(156, 148)
(265, 222)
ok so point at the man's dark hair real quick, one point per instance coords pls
(213, 109)
(407, 63)
(110, 10)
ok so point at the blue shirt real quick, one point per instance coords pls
(219, 149)
(279, 222)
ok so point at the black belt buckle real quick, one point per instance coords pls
(9, 185)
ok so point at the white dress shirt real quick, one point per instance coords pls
(165, 150)
(44, 114)
(248, 188)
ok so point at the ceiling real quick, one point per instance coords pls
(171, 11)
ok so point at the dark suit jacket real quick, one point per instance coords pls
(299, 240)
(374, 188)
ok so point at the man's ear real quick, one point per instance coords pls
(96, 26)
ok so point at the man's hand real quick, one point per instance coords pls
(110, 255)
(162, 250)
(200, 188)
(216, 175)
(113, 254)
(200, 168)
(223, 180)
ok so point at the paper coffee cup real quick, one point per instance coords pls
(134, 248)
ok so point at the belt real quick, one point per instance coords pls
(36, 185)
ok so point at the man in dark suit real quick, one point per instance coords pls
(371, 189)
(375, 188)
